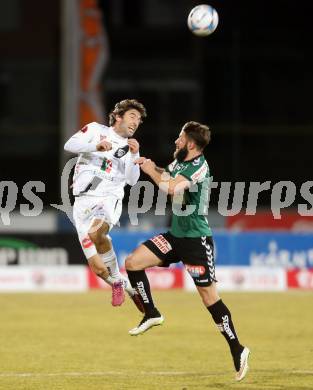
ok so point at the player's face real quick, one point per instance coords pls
(128, 123)
(181, 150)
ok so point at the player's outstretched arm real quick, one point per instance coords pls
(132, 171)
(82, 141)
(141, 160)
(163, 179)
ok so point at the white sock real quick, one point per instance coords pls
(110, 260)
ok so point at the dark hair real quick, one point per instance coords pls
(198, 133)
(124, 105)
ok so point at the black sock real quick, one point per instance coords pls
(140, 282)
(222, 317)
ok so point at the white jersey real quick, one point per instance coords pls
(102, 173)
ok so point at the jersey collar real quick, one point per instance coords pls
(195, 158)
(113, 132)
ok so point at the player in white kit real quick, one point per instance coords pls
(104, 166)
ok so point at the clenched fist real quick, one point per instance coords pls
(133, 145)
(104, 146)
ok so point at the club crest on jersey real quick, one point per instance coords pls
(195, 270)
(120, 152)
(196, 161)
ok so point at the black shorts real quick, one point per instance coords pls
(197, 254)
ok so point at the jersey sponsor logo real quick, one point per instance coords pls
(84, 129)
(161, 243)
(179, 167)
(106, 165)
(199, 175)
(195, 270)
(92, 185)
(87, 243)
(120, 152)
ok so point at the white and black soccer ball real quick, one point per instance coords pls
(202, 20)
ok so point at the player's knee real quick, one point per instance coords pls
(98, 230)
(207, 301)
(99, 270)
(94, 237)
(130, 263)
(208, 295)
(97, 238)
(102, 243)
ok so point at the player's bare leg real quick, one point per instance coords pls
(135, 265)
(222, 317)
(110, 260)
(106, 257)
(97, 235)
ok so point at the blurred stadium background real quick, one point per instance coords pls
(67, 62)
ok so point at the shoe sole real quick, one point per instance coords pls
(132, 331)
(245, 367)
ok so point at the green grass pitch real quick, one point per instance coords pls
(80, 342)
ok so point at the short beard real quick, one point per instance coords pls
(181, 154)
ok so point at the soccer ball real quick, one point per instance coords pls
(202, 20)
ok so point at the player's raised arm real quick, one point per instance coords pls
(163, 180)
(132, 171)
(83, 141)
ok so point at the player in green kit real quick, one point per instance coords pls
(189, 240)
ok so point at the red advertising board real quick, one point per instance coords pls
(300, 278)
(265, 220)
(160, 279)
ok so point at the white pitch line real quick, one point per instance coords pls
(143, 373)
(103, 373)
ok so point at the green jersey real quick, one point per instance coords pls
(189, 208)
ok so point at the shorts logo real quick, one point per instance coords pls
(195, 270)
(87, 243)
(202, 280)
(99, 212)
(161, 243)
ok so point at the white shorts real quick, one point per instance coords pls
(88, 208)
